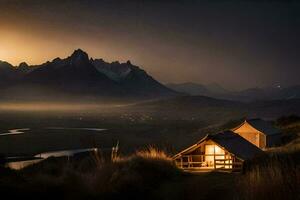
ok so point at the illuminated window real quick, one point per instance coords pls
(209, 155)
(218, 150)
(209, 149)
(212, 149)
(214, 155)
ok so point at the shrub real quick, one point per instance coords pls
(135, 176)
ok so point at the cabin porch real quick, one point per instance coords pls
(208, 157)
(208, 162)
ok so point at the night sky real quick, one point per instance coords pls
(238, 44)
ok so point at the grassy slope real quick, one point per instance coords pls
(150, 174)
(146, 174)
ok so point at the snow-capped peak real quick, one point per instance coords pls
(115, 71)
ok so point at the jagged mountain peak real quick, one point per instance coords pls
(58, 59)
(79, 56)
(115, 70)
(79, 52)
(23, 65)
(80, 75)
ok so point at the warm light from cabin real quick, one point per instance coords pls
(209, 149)
(209, 155)
(218, 150)
(228, 162)
(212, 149)
(212, 153)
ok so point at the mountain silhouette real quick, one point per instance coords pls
(82, 76)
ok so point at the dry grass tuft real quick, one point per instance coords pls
(152, 153)
(274, 176)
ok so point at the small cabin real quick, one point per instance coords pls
(259, 132)
(225, 151)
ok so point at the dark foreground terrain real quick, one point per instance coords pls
(151, 174)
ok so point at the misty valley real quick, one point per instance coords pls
(172, 123)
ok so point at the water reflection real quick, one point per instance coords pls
(86, 129)
(15, 131)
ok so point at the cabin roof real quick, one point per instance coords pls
(235, 144)
(232, 143)
(263, 126)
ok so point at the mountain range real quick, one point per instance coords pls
(247, 95)
(79, 75)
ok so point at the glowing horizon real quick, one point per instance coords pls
(172, 48)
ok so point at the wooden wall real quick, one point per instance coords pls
(252, 135)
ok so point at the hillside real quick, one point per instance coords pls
(213, 110)
(245, 95)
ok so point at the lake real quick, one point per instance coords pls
(32, 141)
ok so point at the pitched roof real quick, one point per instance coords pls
(236, 144)
(263, 126)
(232, 142)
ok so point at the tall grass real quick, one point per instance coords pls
(92, 177)
(150, 174)
(152, 152)
(273, 176)
(135, 176)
